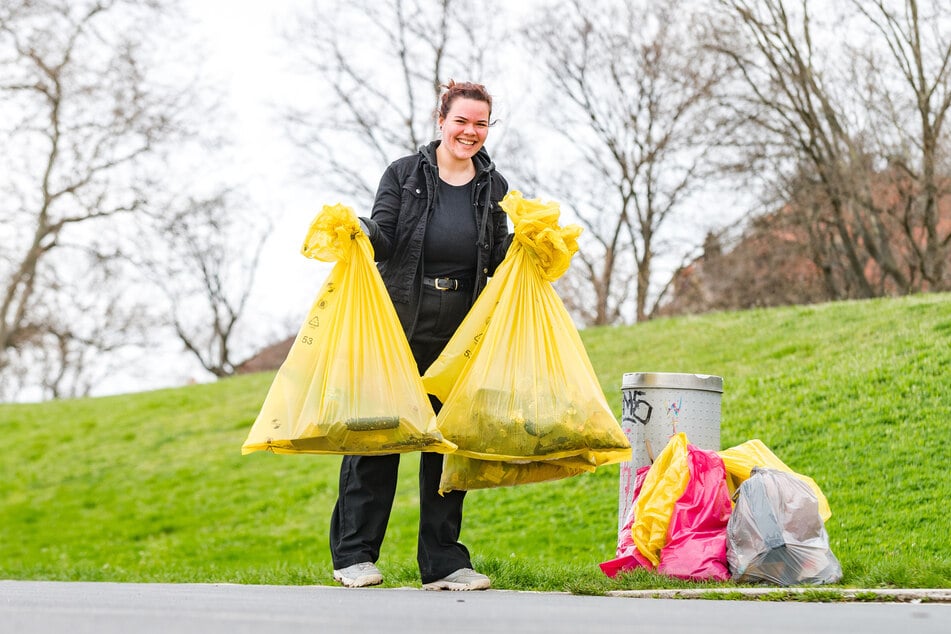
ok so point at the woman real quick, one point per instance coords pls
(438, 233)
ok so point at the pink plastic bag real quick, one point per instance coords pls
(627, 555)
(696, 536)
(695, 547)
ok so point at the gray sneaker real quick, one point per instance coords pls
(359, 575)
(462, 579)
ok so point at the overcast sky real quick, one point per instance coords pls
(247, 59)
(244, 58)
(246, 55)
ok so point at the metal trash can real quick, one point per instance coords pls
(657, 405)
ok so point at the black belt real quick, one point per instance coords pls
(448, 283)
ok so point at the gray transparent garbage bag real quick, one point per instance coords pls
(776, 535)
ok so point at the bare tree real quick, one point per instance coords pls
(100, 123)
(829, 120)
(381, 88)
(205, 265)
(632, 97)
(918, 38)
(80, 121)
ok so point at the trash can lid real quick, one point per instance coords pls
(672, 380)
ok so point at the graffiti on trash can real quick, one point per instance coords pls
(674, 408)
(639, 409)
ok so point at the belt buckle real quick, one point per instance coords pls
(452, 284)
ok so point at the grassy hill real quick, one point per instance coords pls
(152, 486)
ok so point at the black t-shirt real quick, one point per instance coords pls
(449, 247)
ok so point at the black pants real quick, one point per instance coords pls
(368, 483)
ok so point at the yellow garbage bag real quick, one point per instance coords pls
(465, 474)
(349, 384)
(740, 460)
(515, 380)
(664, 484)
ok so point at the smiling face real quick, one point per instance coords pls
(464, 128)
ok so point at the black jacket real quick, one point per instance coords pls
(404, 201)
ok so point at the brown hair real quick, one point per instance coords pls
(465, 89)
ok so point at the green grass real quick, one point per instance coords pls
(152, 486)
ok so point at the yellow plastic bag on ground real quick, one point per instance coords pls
(515, 380)
(740, 460)
(665, 483)
(349, 384)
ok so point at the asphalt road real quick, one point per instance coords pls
(113, 608)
